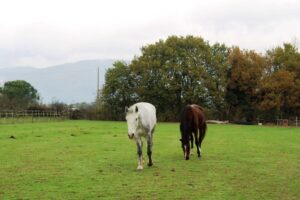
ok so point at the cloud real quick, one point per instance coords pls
(43, 33)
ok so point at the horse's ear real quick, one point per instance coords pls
(126, 109)
(136, 109)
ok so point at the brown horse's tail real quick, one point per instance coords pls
(204, 129)
(203, 132)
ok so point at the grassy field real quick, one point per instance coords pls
(19, 120)
(96, 160)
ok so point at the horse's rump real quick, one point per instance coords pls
(197, 106)
(192, 120)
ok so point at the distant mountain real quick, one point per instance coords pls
(69, 83)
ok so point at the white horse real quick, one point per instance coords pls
(141, 121)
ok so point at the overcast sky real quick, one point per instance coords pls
(42, 33)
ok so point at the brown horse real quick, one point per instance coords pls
(192, 120)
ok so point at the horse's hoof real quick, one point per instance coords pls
(140, 168)
(187, 158)
(150, 164)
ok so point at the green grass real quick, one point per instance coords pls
(96, 160)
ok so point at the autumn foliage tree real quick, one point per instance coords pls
(280, 88)
(246, 71)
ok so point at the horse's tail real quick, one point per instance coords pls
(185, 122)
(204, 129)
(203, 132)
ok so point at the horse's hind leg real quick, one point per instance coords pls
(202, 135)
(192, 141)
(149, 149)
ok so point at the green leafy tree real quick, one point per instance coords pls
(19, 94)
(285, 58)
(118, 91)
(172, 73)
(217, 69)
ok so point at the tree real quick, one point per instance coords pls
(280, 94)
(280, 87)
(230, 83)
(172, 73)
(19, 94)
(247, 69)
(285, 58)
(118, 91)
(216, 82)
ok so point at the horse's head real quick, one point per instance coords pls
(185, 144)
(186, 149)
(132, 118)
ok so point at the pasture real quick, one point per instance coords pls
(96, 160)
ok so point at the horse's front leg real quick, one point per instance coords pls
(139, 145)
(149, 149)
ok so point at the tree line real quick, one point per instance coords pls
(229, 82)
(19, 96)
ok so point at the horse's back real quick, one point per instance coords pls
(147, 109)
(147, 113)
(147, 106)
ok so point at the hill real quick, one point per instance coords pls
(69, 83)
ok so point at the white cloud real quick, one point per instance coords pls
(43, 33)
